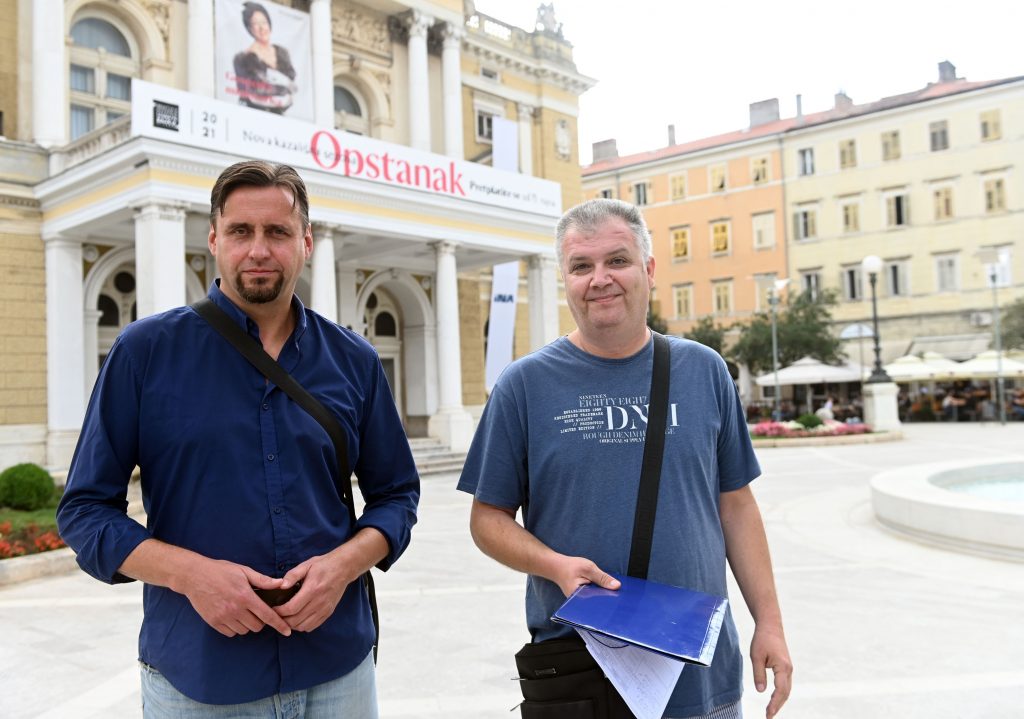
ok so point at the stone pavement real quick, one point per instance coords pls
(879, 625)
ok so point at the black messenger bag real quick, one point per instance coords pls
(559, 678)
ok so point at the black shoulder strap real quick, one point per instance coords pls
(269, 368)
(654, 450)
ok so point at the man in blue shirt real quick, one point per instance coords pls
(562, 437)
(241, 485)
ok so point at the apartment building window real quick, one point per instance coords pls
(682, 299)
(1001, 268)
(763, 230)
(943, 200)
(805, 161)
(851, 217)
(847, 154)
(680, 244)
(759, 170)
(995, 195)
(718, 181)
(897, 273)
(484, 126)
(764, 284)
(721, 297)
(947, 272)
(641, 193)
(677, 186)
(720, 240)
(897, 209)
(891, 145)
(938, 133)
(810, 282)
(606, 193)
(102, 64)
(853, 285)
(805, 223)
(991, 128)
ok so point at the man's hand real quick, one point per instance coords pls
(222, 593)
(324, 579)
(768, 651)
(570, 573)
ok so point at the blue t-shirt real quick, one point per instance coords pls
(562, 436)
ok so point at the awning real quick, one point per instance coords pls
(955, 347)
(811, 371)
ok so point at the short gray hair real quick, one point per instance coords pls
(588, 216)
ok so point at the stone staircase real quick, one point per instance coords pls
(433, 457)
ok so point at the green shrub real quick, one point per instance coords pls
(25, 486)
(810, 421)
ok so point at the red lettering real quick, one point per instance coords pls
(387, 167)
(316, 154)
(349, 154)
(372, 169)
(440, 180)
(403, 172)
(422, 176)
(455, 181)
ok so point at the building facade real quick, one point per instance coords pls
(930, 181)
(117, 116)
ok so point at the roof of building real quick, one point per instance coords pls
(931, 91)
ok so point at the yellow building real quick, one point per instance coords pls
(924, 180)
(117, 116)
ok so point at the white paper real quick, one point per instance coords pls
(645, 679)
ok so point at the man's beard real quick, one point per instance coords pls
(261, 293)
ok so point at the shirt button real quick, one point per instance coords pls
(270, 457)
(277, 510)
(266, 405)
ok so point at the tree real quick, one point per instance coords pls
(803, 330)
(707, 333)
(655, 322)
(1013, 325)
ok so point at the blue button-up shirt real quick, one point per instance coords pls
(233, 469)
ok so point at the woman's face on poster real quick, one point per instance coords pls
(259, 26)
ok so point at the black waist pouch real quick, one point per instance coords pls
(560, 680)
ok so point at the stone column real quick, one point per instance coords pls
(49, 73)
(525, 139)
(451, 423)
(451, 80)
(91, 350)
(65, 348)
(542, 297)
(346, 285)
(159, 258)
(419, 93)
(324, 288)
(881, 408)
(200, 48)
(322, 44)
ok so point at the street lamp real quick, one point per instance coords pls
(773, 301)
(871, 266)
(990, 257)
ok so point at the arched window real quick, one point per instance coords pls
(103, 64)
(350, 111)
(111, 315)
(384, 325)
(116, 302)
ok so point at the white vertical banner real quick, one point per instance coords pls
(505, 147)
(501, 327)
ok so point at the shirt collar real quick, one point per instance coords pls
(245, 322)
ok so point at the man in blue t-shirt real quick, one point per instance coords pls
(562, 437)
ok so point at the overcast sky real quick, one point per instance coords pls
(698, 65)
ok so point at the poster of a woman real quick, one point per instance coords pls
(264, 74)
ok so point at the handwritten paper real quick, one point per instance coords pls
(645, 679)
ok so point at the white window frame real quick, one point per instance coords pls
(984, 122)
(672, 243)
(712, 169)
(897, 277)
(851, 163)
(715, 284)
(853, 283)
(810, 279)
(938, 129)
(754, 161)
(895, 151)
(952, 259)
(648, 193)
(935, 190)
(683, 290)
(904, 194)
(805, 161)
(485, 106)
(805, 222)
(672, 180)
(728, 238)
(1004, 267)
(992, 177)
(762, 225)
(102, 64)
(855, 204)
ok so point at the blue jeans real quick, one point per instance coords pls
(353, 696)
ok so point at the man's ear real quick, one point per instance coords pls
(211, 241)
(307, 241)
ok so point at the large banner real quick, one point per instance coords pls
(501, 327)
(263, 57)
(176, 116)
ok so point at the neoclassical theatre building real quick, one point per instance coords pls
(118, 115)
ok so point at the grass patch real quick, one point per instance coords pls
(45, 518)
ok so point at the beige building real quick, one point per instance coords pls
(117, 116)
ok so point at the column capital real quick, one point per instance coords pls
(417, 23)
(538, 262)
(325, 228)
(452, 35)
(162, 209)
(444, 247)
(525, 111)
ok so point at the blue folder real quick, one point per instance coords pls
(679, 623)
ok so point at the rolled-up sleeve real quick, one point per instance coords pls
(387, 474)
(92, 515)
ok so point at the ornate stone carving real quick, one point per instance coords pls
(160, 11)
(563, 140)
(354, 28)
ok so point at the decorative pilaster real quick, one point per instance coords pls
(323, 63)
(159, 258)
(324, 289)
(49, 73)
(65, 347)
(542, 289)
(419, 95)
(200, 47)
(451, 82)
(451, 423)
(525, 139)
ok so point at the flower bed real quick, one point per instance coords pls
(830, 428)
(29, 539)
